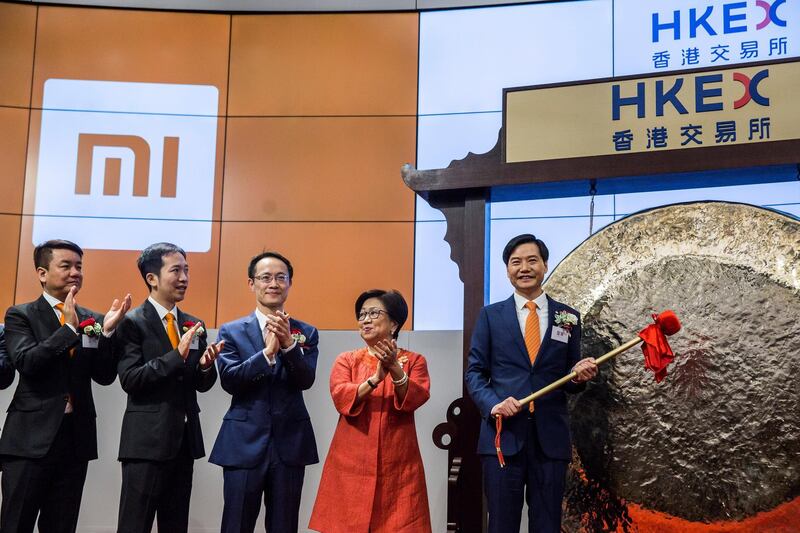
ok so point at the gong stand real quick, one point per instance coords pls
(462, 191)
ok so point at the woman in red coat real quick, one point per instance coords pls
(373, 480)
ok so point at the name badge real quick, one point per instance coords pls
(195, 343)
(89, 342)
(560, 334)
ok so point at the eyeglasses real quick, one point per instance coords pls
(267, 278)
(371, 313)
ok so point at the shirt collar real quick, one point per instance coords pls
(262, 319)
(52, 300)
(161, 310)
(520, 301)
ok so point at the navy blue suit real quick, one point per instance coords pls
(537, 446)
(266, 438)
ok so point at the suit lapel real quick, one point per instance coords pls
(46, 315)
(83, 314)
(155, 325)
(551, 313)
(253, 332)
(509, 315)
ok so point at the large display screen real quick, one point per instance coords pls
(232, 134)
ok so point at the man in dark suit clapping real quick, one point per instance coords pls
(50, 432)
(164, 359)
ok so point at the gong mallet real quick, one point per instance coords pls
(656, 351)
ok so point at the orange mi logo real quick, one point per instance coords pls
(113, 165)
(132, 161)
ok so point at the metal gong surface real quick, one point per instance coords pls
(719, 438)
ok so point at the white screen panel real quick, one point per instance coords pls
(468, 56)
(763, 194)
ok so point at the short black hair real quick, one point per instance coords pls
(152, 259)
(525, 238)
(43, 253)
(251, 268)
(393, 301)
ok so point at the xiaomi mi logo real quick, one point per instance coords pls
(123, 165)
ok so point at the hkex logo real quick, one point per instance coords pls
(734, 19)
(707, 94)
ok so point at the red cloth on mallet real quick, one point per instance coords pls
(657, 353)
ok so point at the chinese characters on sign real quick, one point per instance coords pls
(725, 132)
(721, 53)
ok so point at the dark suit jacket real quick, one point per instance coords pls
(161, 388)
(267, 403)
(7, 371)
(499, 367)
(39, 348)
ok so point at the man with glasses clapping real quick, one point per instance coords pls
(266, 438)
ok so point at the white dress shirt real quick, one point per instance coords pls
(522, 312)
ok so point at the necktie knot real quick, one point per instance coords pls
(531, 305)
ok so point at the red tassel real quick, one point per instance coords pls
(498, 424)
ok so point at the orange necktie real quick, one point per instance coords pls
(62, 321)
(172, 333)
(532, 339)
(532, 336)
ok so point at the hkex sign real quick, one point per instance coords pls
(708, 94)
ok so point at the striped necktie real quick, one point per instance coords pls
(532, 335)
(532, 339)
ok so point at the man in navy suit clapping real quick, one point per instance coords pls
(266, 439)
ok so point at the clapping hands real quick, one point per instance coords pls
(115, 314)
(278, 324)
(386, 351)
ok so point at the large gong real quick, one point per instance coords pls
(718, 441)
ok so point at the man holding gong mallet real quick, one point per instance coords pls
(518, 346)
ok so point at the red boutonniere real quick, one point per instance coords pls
(90, 327)
(298, 336)
(189, 325)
